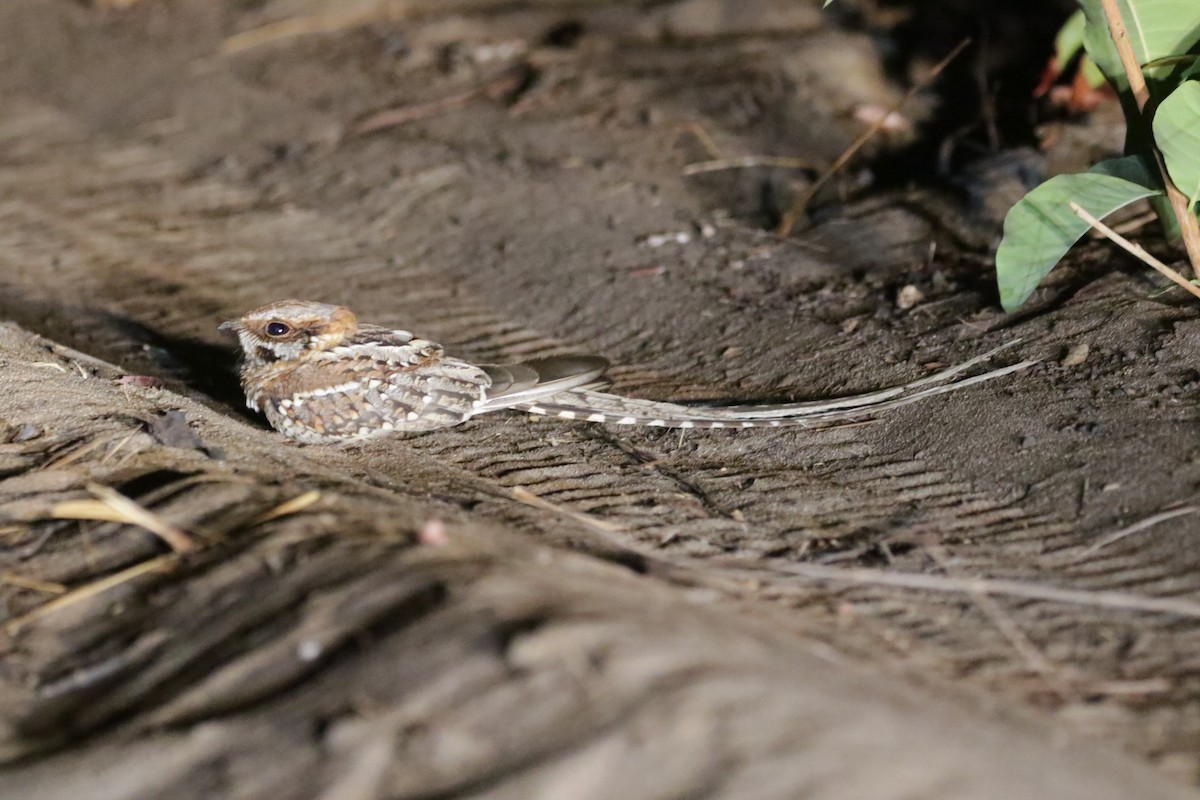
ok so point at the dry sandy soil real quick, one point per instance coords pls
(932, 605)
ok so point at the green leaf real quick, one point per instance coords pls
(1166, 218)
(1177, 134)
(1069, 40)
(1067, 44)
(1157, 29)
(1041, 228)
(1136, 169)
(1091, 73)
(1172, 61)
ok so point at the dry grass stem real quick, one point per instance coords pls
(76, 453)
(1007, 626)
(120, 445)
(1131, 688)
(112, 506)
(87, 509)
(356, 13)
(293, 506)
(49, 365)
(1138, 527)
(747, 162)
(530, 499)
(1135, 224)
(298, 26)
(705, 139)
(1113, 601)
(1134, 249)
(394, 117)
(9, 530)
(91, 590)
(34, 584)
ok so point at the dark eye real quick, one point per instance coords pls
(278, 329)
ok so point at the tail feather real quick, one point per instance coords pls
(531, 380)
(584, 404)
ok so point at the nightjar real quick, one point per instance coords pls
(320, 376)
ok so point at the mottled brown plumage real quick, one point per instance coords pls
(320, 376)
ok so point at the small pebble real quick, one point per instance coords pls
(1076, 355)
(309, 650)
(433, 533)
(660, 239)
(26, 432)
(908, 297)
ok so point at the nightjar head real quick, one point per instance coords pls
(286, 330)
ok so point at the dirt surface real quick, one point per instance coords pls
(714, 614)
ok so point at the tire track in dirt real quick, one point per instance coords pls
(115, 214)
(106, 217)
(295, 648)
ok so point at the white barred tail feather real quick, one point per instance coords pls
(592, 406)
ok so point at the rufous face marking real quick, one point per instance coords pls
(285, 330)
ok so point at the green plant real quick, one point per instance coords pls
(1145, 49)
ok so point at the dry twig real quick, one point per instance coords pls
(1007, 626)
(1113, 601)
(1134, 249)
(800, 204)
(393, 117)
(1138, 527)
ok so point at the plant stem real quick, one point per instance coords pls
(1189, 226)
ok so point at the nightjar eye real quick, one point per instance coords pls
(278, 329)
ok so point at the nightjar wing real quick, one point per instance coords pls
(359, 390)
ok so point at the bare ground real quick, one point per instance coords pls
(679, 621)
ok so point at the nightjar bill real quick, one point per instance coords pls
(318, 375)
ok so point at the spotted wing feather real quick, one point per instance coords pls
(365, 389)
